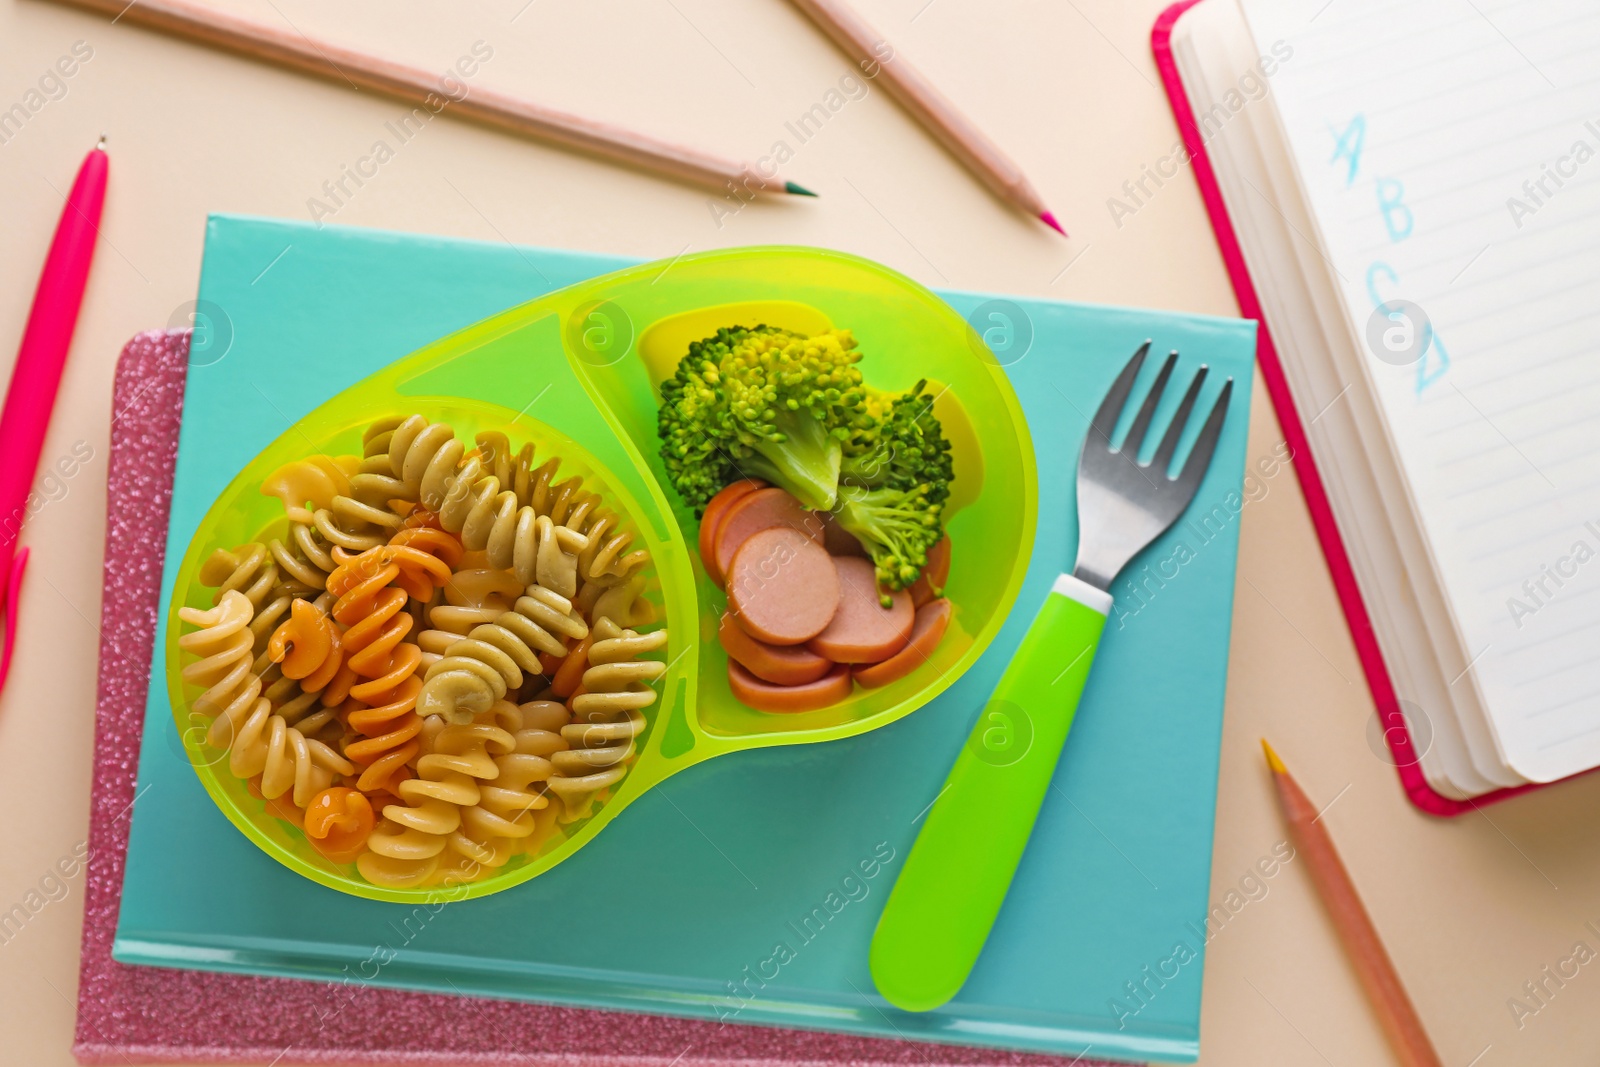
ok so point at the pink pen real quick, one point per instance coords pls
(37, 375)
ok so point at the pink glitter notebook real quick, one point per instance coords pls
(145, 1014)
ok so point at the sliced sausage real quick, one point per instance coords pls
(711, 521)
(782, 587)
(930, 583)
(933, 618)
(863, 630)
(836, 539)
(764, 696)
(778, 664)
(760, 510)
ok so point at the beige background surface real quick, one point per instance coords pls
(1471, 908)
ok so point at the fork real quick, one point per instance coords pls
(955, 879)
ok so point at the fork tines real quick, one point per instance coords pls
(1123, 504)
(1110, 412)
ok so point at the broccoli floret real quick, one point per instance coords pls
(906, 449)
(894, 485)
(895, 526)
(765, 403)
(792, 410)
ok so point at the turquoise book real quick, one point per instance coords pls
(745, 889)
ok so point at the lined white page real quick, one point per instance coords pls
(1450, 153)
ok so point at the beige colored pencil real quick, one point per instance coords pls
(877, 59)
(294, 50)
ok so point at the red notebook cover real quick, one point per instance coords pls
(132, 1015)
(1406, 758)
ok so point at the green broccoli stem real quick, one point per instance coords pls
(895, 527)
(867, 470)
(806, 462)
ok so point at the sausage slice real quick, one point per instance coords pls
(711, 520)
(862, 630)
(778, 664)
(932, 619)
(764, 696)
(782, 587)
(836, 539)
(760, 510)
(930, 583)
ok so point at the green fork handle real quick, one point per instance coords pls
(952, 885)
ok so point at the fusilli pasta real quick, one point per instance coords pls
(224, 644)
(607, 713)
(362, 662)
(482, 667)
(258, 741)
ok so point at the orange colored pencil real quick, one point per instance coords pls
(291, 49)
(1360, 937)
(877, 59)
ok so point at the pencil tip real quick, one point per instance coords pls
(1050, 220)
(101, 144)
(797, 189)
(1272, 758)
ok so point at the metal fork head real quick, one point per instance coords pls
(1123, 504)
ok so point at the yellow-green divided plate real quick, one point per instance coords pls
(576, 372)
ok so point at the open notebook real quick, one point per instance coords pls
(1415, 186)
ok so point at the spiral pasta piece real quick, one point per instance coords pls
(492, 830)
(361, 516)
(251, 569)
(284, 758)
(307, 647)
(607, 713)
(308, 487)
(514, 535)
(314, 713)
(531, 486)
(481, 668)
(315, 481)
(337, 822)
(405, 848)
(358, 581)
(606, 558)
(564, 502)
(225, 646)
(283, 694)
(425, 554)
(355, 526)
(422, 460)
(248, 569)
(449, 623)
(624, 603)
(512, 471)
(386, 665)
(538, 731)
(525, 520)
(305, 560)
(483, 587)
(473, 595)
(303, 668)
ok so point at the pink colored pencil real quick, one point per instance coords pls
(960, 136)
(37, 375)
